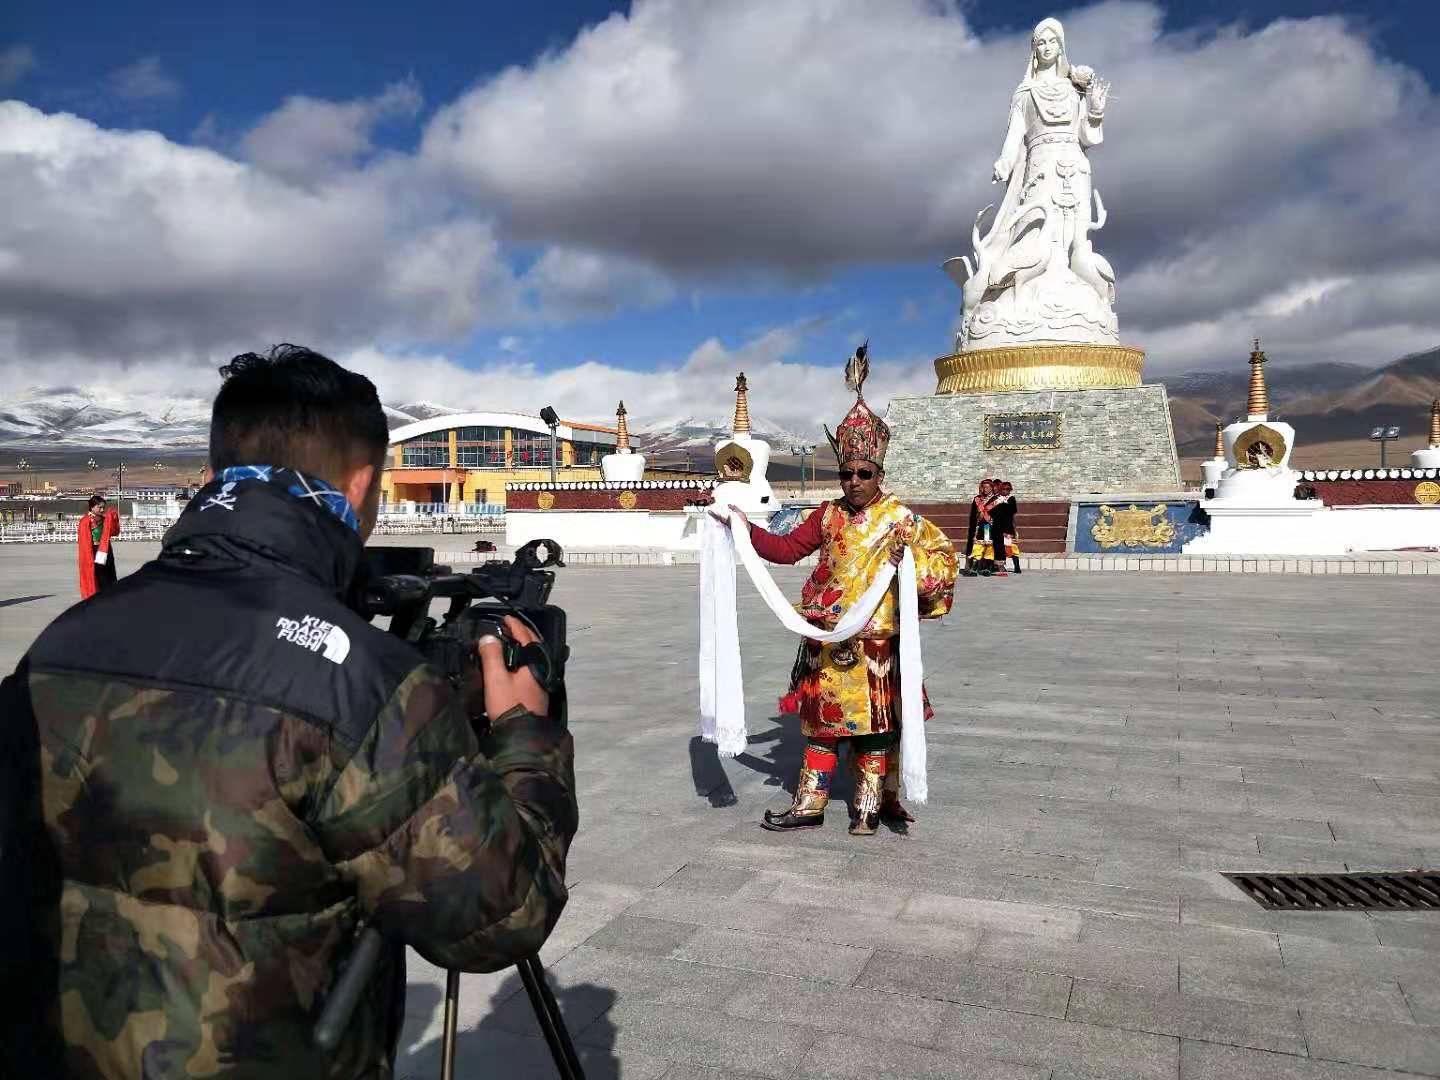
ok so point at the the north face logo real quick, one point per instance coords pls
(315, 634)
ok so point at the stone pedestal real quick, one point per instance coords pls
(1210, 472)
(1104, 440)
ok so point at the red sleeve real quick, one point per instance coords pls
(804, 539)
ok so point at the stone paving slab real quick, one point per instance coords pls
(1057, 912)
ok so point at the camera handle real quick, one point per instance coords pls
(356, 975)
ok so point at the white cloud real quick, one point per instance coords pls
(569, 283)
(144, 80)
(132, 245)
(785, 387)
(307, 139)
(15, 63)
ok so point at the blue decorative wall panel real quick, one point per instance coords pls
(1137, 528)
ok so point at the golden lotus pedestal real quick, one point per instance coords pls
(1039, 367)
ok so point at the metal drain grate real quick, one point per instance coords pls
(1342, 892)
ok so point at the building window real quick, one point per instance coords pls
(426, 451)
(586, 453)
(480, 447)
(532, 450)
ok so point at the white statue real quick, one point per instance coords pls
(1036, 277)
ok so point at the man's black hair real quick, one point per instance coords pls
(95, 500)
(296, 408)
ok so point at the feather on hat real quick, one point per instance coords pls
(862, 435)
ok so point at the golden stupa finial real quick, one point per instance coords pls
(1219, 440)
(742, 406)
(1435, 424)
(622, 440)
(1259, 404)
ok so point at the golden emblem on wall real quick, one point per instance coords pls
(1259, 448)
(545, 501)
(1428, 493)
(733, 462)
(1133, 527)
(626, 500)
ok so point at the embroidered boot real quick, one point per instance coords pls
(812, 792)
(892, 810)
(869, 768)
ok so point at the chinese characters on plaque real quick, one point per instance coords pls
(1022, 431)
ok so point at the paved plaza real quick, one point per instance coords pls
(1104, 745)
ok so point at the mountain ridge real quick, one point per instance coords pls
(1326, 402)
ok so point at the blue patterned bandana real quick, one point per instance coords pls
(299, 485)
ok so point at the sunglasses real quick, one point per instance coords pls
(864, 474)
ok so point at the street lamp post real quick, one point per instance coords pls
(1384, 435)
(24, 466)
(120, 477)
(552, 421)
(803, 452)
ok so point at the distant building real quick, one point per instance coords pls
(470, 457)
(11, 488)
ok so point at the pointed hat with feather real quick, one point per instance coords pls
(862, 435)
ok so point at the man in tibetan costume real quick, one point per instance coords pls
(850, 690)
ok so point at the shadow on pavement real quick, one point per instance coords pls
(507, 1042)
(25, 599)
(784, 749)
(709, 775)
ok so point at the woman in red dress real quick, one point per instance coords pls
(98, 527)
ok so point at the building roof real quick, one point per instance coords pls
(519, 421)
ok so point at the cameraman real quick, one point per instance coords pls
(215, 773)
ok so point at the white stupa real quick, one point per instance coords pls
(1255, 511)
(1212, 470)
(1429, 458)
(741, 461)
(624, 466)
(1257, 449)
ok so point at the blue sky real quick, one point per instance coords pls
(753, 190)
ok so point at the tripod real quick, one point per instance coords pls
(335, 1016)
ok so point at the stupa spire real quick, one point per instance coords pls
(622, 440)
(742, 406)
(1259, 404)
(1435, 424)
(1219, 441)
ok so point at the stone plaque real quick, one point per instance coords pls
(1021, 431)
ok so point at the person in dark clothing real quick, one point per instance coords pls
(978, 533)
(216, 774)
(1003, 509)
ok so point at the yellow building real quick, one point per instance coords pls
(470, 457)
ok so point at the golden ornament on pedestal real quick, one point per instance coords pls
(545, 500)
(626, 500)
(1039, 367)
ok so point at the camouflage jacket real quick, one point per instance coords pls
(216, 773)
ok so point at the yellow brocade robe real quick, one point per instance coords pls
(834, 696)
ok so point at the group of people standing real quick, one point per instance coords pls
(991, 537)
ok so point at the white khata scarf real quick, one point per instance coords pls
(722, 686)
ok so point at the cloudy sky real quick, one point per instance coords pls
(574, 202)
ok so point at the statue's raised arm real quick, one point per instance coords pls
(1036, 276)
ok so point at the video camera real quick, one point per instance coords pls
(402, 581)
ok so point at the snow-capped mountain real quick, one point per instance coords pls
(76, 418)
(702, 432)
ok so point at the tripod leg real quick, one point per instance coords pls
(552, 1023)
(452, 1010)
